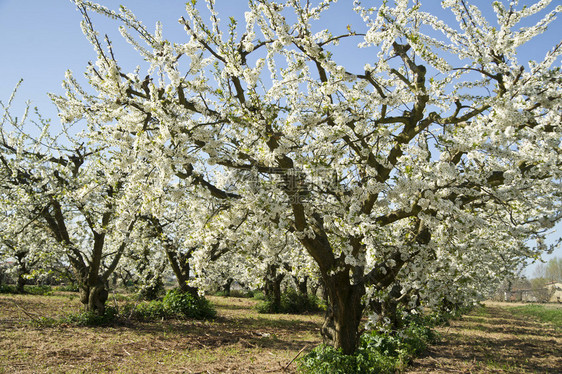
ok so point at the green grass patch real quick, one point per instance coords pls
(552, 316)
(43, 290)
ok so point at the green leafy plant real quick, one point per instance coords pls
(185, 305)
(294, 302)
(6, 288)
(147, 311)
(258, 295)
(175, 304)
(378, 351)
(92, 319)
(67, 288)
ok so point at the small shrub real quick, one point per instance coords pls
(239, 293)
(152, 291)
(38, 290)
(185, 305)
(46, 322)
(326, 359)
(221, 294)
(378, 352)
(174, 305)
(27, 289)
(145, 312)
(267, 307)
(292, 302)
(258, 295)
(92, 319)
(6, 288)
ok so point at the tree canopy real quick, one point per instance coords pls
(416, 179)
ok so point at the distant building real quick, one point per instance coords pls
(555, 292)
(550, 293)
(527, 295)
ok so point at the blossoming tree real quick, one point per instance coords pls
(441, 135)
(63, 199)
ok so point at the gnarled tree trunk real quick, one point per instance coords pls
(179, 262)
(22, 271)
(272, 287)
(94, 297)
(344, 312)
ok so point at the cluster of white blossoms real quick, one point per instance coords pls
(418, 171)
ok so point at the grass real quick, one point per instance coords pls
(497, 338)
(493, 339)
(551, 316)
(238, 340)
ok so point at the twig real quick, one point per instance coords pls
(294, 358)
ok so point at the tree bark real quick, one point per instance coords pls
(344, 312)
(22, 271)
(272, 288)
(180, 267)
(20, 285)
(94, 297)
(388, 307)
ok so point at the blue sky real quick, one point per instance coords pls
(41, 39)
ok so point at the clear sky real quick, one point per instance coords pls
(41, 39)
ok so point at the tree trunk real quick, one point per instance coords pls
(302, 286)
(21, 272)
(20, 285)
(93, 298)
(152, 286)
(344, 312)
(272, 288)
(184, 287)
(225, 287)
(387, 309)
(180, 267)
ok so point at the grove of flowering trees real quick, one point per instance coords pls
(62, 200)
(417, 179)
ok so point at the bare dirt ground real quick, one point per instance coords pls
(488, 340)
(494, 340)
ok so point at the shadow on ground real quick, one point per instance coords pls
(493, 340)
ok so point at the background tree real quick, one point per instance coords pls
(551, 271)
(66, 191)
(369, 168)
